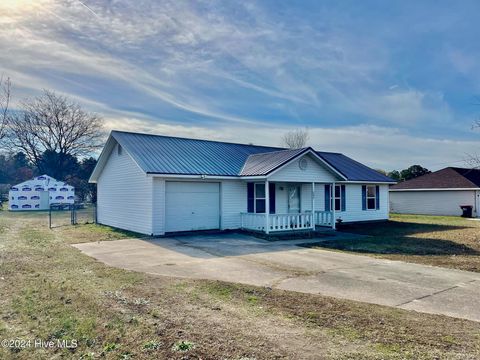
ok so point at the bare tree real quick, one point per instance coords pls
(296, 139)
(54, 123)
(5, 85)
(473, 160)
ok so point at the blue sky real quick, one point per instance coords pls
(388, 83)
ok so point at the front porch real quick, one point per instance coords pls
(287, 222)
(277, 206)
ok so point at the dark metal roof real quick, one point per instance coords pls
(262, 164)
(448, 178)
(353, 170)
(157, 154)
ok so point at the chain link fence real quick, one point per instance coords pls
(71, 214)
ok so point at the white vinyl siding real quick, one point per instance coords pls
(353, 203)
(313, 172)
(124, 197)
(306, 199)
(444, 202)
(233, 202)
(192, 206)
(158, 206)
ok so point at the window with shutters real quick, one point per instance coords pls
(260, 200)
(337, 198)
(371, 197)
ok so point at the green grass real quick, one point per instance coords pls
(50, 290)
(435, 240)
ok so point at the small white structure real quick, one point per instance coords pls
(159, 184)
(38, 193)
(442, 192)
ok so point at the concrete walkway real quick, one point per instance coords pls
(283, 265)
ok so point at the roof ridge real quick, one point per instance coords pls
(292, 154)
(278, 151)
(203, 140)
(462, 168)
(330, 152)
(433, 176)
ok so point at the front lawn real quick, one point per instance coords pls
(49, 291)
(433, 240)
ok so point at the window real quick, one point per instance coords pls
(337, 198)
(371, 197)
(260, 203)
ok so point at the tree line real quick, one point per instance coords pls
(48, 134)
(406, 174)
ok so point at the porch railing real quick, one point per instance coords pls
(277, 222)
(253, 221)
(323, 218)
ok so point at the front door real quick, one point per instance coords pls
(294, 199)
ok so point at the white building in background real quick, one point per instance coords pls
(39, 193)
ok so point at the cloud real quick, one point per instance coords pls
(405, 107)
(249, 71)
(178, 54)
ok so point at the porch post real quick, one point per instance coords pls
(332, 194)
(267, 207)
(313, 205)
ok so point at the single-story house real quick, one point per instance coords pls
(159, 184)
(38, 193)
(442, 192)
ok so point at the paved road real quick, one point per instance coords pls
(283, 265)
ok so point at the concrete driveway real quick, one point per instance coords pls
(283, 265)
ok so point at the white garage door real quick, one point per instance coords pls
(192, 206)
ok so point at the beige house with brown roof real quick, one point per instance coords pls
(442, 192)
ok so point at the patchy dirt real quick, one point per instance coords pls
(51, 291)
(445, 241)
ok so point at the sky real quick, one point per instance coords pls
(389, 83)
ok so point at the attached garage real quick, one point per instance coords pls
(192, 205)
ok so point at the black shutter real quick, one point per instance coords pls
(377, 197)
(250, 197)
(364, 197)
(271, 193)
(327, 197)
(344, 201)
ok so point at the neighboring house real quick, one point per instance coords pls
(439, 193)
(159, 184)
(38, 193)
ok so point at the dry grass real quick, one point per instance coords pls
(52, 291)
(446, 241)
